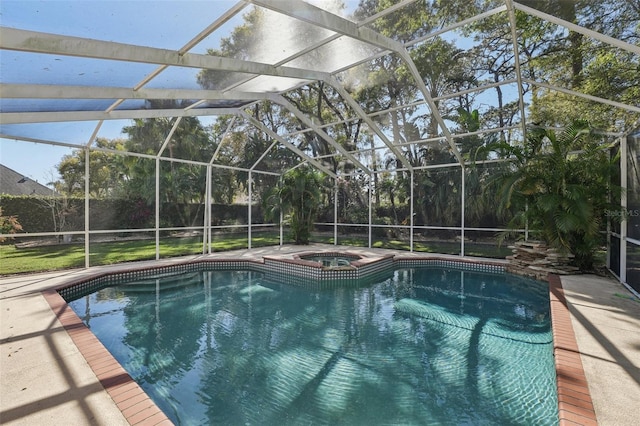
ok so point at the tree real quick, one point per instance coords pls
(297, 196)
(105, 175)
(317, 101)
(560, 185)
(571, 60)
(181, 184)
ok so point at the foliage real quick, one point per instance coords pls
(568, 59)
(8, 225)
(34, 217)
(105, 170)
(560, 186)
(180, 183)
(297, 196)
(386, 90)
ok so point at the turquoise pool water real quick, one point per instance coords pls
(330, 261)
(423, 346)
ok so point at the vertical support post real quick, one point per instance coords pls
(462, 206)
(250, 186)
(157, 208)
(281, 228)
(86, 208)
(157, 309)
(526, 224)
(335, 213)
(624, 151)
(411, 216)
(370, 206)
(206, 232)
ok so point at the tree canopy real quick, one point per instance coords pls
(371, 125)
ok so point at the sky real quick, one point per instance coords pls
(165, 24)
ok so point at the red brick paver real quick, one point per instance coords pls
(134, 403)
(574, 400)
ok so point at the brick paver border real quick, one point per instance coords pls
(575, 406)
(137, 408)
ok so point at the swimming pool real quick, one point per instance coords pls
(424, 345)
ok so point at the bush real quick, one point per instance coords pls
(35, 213)
(8, 225)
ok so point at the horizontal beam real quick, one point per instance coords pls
(71, 116)
(39, 42)
(41, 91)
(583, 95)
(577, 28)
(133, 154)
(319, 17)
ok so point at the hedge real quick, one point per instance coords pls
(35, 213)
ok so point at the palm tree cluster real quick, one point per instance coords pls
(560, 186)
(298, 196)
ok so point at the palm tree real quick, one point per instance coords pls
(560, 184)
(297, 195)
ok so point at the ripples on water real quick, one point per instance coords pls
(424, 346)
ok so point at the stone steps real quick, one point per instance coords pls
(537, 260)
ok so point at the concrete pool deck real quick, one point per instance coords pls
(46, 379)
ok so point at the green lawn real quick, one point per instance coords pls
(443, 247)
(66, 256)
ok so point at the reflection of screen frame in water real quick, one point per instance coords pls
(258, 292)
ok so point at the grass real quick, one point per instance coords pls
(68, 256)
(443, 247)
(626, 297)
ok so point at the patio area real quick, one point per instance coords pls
(46, 379)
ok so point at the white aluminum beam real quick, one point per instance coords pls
(167, 140)
(94, 135)
(71, 116)
(39, 42)
(287, 144)
(516, 58)
(226, 132)
(264, 154)
(477, 89)
(471, 20)
(583, 95)
(577, 28)
(281, 100)
(41, 91)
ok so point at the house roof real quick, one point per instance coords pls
(15, 183)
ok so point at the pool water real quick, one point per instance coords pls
(330, 261)
(424, 346)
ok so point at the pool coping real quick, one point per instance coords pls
(575, 406)
(134, 403)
